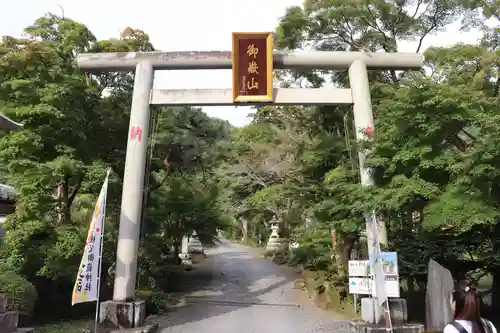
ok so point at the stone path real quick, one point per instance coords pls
(235, 292)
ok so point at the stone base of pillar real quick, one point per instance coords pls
(122, 315)
(144, 329)
(362, 327)
(374, 320)
(372, 313)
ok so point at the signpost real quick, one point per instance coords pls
(361, 276)
(252, 67)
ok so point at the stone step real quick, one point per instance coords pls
(362, 327)
(143, 329)
(25, 330)
(8, 321)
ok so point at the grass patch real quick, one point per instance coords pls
(73, 326)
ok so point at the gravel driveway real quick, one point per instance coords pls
(235, 292)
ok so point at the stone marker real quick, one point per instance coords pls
(9, 319)
(438, 311)
(184, 244)
(3, 303)
(184, 255)
(115, 314)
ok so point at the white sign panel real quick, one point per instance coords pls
(360, 286)
(360, 283)
(365, 286)
(389, 263)
(359, 268)
(391, 286)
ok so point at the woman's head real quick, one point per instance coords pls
(465, 304)
(464, 301)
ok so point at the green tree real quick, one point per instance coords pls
(434, 152)
(75, 128)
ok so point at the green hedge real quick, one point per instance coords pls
(155, 301)
(20, 292)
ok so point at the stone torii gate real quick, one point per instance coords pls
(145, 64)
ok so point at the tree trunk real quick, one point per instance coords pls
(335, 246)
(66, 198)
(62, 193)
(177, 247)
(244, 230)
(411, 289)
(349, 240)
(283, 225)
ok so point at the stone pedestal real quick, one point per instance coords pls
(144, 329)
(194, 244)
(374, 320)
(362, 327)
(372, 313)
(123, 315)
(398, 310)
(186, 259)
(9, 319)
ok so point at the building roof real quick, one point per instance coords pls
(8, 124)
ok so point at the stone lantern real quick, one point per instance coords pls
(194, 244)
(273, 243)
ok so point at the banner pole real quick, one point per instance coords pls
(388, 319)
(97, 305)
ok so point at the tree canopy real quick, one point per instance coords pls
(75, 128)
(433, 155)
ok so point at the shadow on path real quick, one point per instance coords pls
(232, 291)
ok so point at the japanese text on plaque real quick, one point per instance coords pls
(253, 67)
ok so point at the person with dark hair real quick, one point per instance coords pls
(465, 304)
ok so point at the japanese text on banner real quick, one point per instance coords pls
(87, 279)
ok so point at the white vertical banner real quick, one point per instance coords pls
(86, 287)
(376, 262)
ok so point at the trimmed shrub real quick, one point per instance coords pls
(155, 301)
(21, 294)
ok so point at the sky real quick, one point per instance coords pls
(189, 25)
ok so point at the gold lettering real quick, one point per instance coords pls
(253, 68)
(252, 51)
(252, 84)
